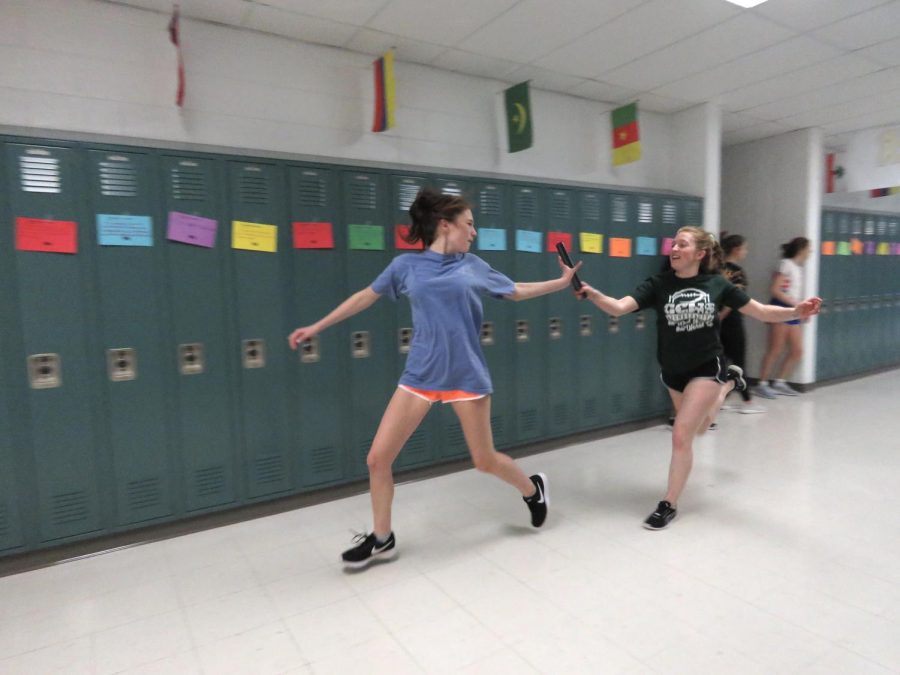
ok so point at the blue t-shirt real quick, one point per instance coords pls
(444, 292)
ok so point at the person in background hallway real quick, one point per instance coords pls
(787, 285)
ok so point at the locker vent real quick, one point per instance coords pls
(526, 204)
(870, 226)
(560, 206)
(4, 523)
(188, 182)
(69, 507)
(645, 396)
(590, 408)
(497, 424)
(560, 414)
(364, 448)
(882, 228)
(252, 187)
(857, 225)
(455, 437)
(269, 469)
(209, 481)
(322, 460)
(489, 202)
(591, 207)
(670, 213)
(528, 420)
(362, 194)
(452, 189)
(118, 177)
(692, 213)
(618, 404)
(829, 223)
(311, 189)
(844, 226)
(406, 195)
(619, 210)
(39, 172)
(416, 445)
(645, 212)
(143, 494)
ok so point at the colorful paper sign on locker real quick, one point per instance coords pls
(666, 247)
(49, 236)
(401, 232)
(591, 242)
(870, 247)
(619, 247)
(553, 238)
(491, 239)
(856, 246)
(254, 236)
(884, 248)
(843, 248)
(194, 230)
(646, 245)
(313, 235)
(121, 230)
(528, 241)
(829, 248)
(366, 237)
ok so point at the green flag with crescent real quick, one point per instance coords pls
(518, 117)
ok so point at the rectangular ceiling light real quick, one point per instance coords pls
(746, 3)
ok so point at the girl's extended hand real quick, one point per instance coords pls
(566, 272)
(809, 307)
(301, 334)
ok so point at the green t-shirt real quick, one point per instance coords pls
(687, 316)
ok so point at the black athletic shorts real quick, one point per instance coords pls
(711, 370)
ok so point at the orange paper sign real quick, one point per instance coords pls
(856, 246)
(619, 247)
(50, 236)
(828, 248)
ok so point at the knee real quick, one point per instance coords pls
(681, 439)
(377, 462)
(484, 462)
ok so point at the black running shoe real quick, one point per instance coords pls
(368, 549)
(736, 375)
(539, 501)
(660, 519)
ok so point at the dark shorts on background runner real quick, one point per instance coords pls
(779, 303)
(711, 370)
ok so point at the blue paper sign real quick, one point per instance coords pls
(528, 241)
(646, 246)
(116, 230)
(491, 239)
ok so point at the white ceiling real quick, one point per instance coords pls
(783, 65)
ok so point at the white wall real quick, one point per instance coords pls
(695, 162)
(108, 70)
(771, 193)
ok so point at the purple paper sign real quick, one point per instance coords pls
(870, 248)
(194, 230)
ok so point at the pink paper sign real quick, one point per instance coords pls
(666, 248)
(194, 230)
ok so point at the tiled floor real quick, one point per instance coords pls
(785, 559)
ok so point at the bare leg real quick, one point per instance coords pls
(475, 418)
(693, 409)
(777, 338)
(402, 416)
(795, 353)
(716, 407)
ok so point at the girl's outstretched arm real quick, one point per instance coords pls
(775, 314)
(353, 305)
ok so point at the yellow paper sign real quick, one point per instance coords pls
(884, 248)
(254, 236)
(591, 242)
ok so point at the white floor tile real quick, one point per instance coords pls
(141, 643)
(267, 650)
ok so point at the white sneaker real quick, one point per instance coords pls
(750, 409)
(763, 391)
(782, 388)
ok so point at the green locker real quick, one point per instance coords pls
(693, 212)
(647, 263)
(494, 243)
(129, 237)
(371, 335)
(528, 209)
(857, 288)
(10, 524)
(202, 380)
(841, 292)
(260, 287)
(593, 342)
(44, 182)
(319, 414)
(667, 226)
(561, 361)
(423, 446)
(825, 337)
(883, 299)
(893, 265)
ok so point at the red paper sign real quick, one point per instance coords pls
(554, 237)
(313, 235)
(400, 234)
(50, 236)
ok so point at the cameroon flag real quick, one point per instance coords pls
(518, 117)
(626, 139)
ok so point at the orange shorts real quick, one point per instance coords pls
(442, 396)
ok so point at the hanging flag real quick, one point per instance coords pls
(626, 138)
(833, 173)
(384, 92)
(879, 192)
(518, 117)
(174, 37)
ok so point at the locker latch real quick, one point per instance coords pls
(121, 364)
(309, 350)
(487, 333)
(521, 330)
(44, 371)
(404, 339)
(639, 322)
(555, 326)
(613, 325)
(254, 352)
(190, 358)
(360, 344)
(585, 326)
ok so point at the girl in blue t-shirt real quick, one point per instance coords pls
(444, 284)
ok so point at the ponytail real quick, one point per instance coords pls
(428, 209)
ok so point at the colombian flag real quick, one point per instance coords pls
(384, 92)
(626, 138)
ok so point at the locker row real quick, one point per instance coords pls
(142, 384)
(859, 280)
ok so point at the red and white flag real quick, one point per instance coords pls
(174, 37)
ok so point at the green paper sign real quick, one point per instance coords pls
(366, 237)
(843, 248)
